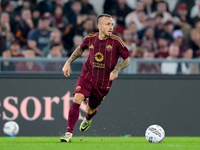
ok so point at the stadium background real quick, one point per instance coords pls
(168, 100)
(40, 105)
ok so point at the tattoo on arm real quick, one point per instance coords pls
(121, 66)
(77, 52)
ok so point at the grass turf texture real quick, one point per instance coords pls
(98, 143)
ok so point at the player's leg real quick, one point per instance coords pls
(88, 118)
(74, 111)
(83, 89)
(73, 117)
(90, 112)
(95, 99)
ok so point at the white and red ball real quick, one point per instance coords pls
(155, 134)
(11, 128)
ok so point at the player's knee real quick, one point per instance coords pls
(78, 98)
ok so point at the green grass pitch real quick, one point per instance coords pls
(98, 143)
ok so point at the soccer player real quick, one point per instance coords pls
(98, 72)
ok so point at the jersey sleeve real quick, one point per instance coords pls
(122, 49)
(84, 45)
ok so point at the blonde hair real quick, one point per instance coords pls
(102, 15)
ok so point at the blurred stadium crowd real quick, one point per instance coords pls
(54, 28)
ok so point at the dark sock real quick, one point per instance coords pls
(73, 117)
(88, 117)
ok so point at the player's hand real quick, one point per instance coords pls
(113, 76)
(66, 69)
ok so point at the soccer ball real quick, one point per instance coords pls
(155, 134)
(11, 128)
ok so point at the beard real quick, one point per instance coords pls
(43, 30)
(108, 34)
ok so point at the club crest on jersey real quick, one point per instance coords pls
(91, 46)
(109, 48)
(78, 88)
(99, 57)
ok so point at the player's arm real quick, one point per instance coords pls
(66, 68)
(77, 52)
(119, 68)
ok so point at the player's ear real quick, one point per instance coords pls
(99, 26)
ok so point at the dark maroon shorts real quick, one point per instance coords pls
(94, 94)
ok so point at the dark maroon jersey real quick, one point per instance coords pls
(102, 59)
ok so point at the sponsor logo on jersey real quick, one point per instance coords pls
(98, 65)
(109, 48)
(99, 57)
(91, 46)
